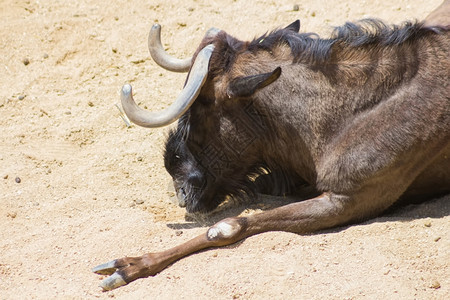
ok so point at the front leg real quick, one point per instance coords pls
(324, 211)
(127, 269)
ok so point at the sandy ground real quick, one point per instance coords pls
(92, 190)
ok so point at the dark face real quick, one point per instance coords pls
(205, 170)
(189, 176)
(214, 152)
(204, 180)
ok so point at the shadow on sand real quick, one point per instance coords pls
(434, 208)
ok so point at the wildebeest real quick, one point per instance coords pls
(361, 119)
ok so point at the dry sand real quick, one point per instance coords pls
(92, 190)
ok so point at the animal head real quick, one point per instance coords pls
(213, 153)
(215, 150)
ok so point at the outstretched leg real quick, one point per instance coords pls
(324, 211)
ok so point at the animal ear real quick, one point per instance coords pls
(248, 85)
(294, 26)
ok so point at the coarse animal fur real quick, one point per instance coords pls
(364, 113)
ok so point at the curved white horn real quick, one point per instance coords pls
(191, 90)
(160, 55)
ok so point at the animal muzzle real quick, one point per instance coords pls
(189, 191)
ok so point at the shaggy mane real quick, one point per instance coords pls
(310, 47)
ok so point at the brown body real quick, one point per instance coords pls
(362, 118)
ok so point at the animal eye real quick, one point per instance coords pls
(177, 156)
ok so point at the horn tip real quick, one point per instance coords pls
(156, 26)
(212, 32)
(126, 89)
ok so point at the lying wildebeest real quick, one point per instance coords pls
(362, 117)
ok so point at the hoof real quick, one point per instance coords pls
(112, 282)
(105, 269)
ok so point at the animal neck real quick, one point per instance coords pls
(314, 102)
(371, 67)
(356, 79)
